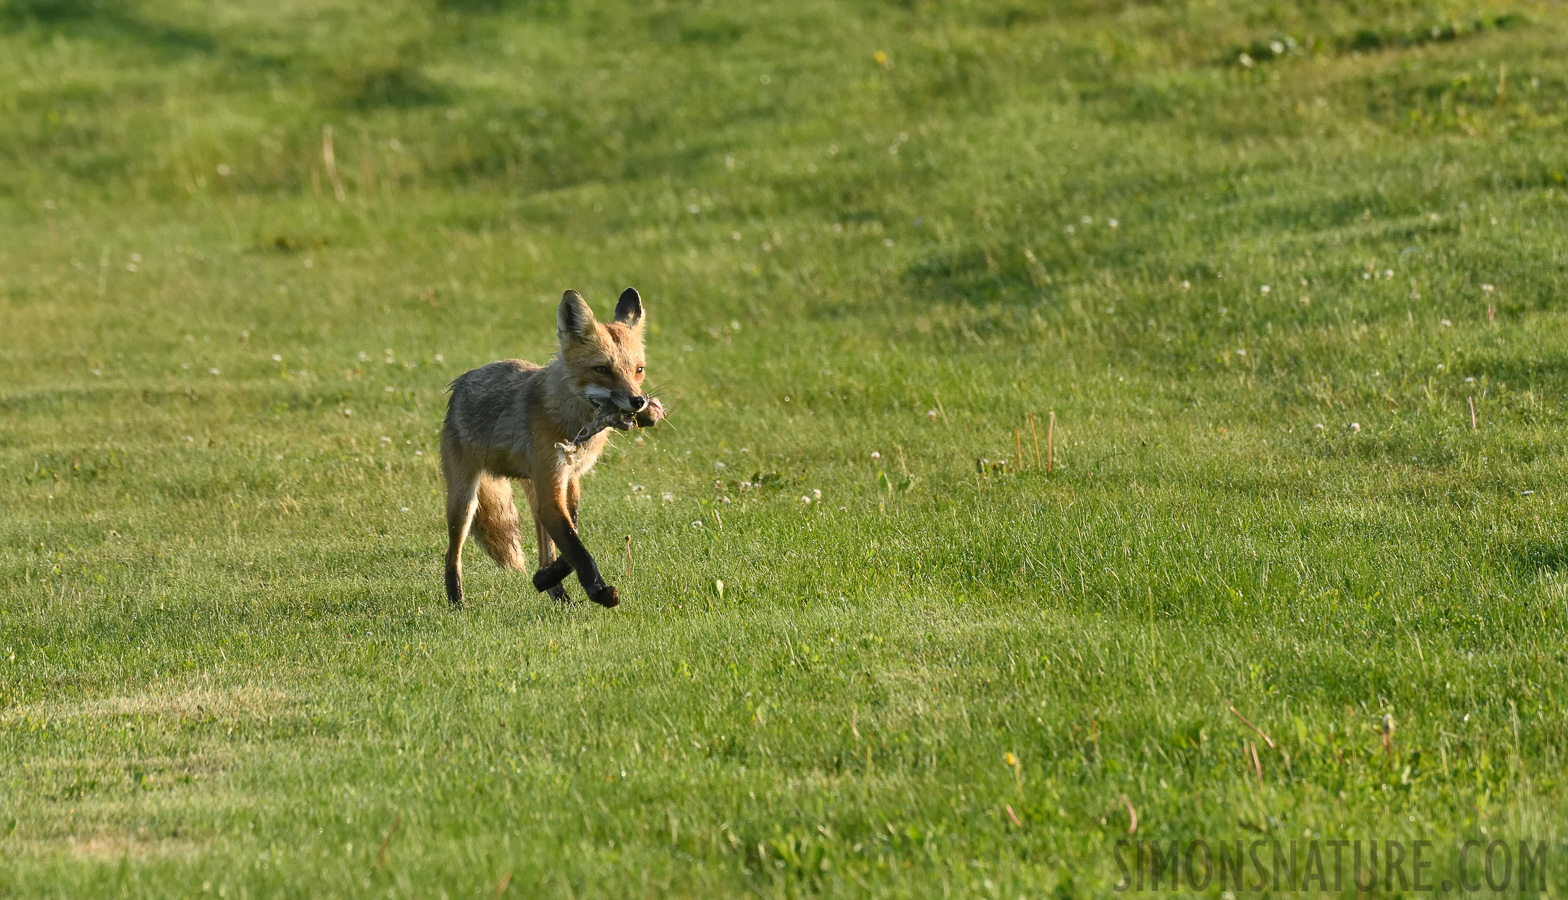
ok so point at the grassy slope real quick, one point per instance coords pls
(224, 661)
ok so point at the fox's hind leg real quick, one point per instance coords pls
(462, 499)
(548, 565)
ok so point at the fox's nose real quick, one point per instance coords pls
(639, 403)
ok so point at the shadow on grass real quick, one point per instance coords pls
(109, 21)
(1538, 558)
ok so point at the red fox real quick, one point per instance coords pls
(545, 427)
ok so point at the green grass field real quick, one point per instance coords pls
(1261, 259)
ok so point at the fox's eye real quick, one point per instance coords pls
(602, 370)
(639, 370)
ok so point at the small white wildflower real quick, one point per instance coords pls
(734, 235)
(363, 356)
(277, 357)
(1488, 288)
(667, 497)
(745, 449)
(404, 509)
(1113, 223)
(1241, 353)
(745, 485)
(130, 267)
(97, 371)
(887, 242)
(1355, 426)
(391, 389)
(1447, 324)
(214, 371)
(189, 439)
(136, 257)
(697, 523)
(875, 455)
(1366, 276)
(224, 170)
(347, 413)
(1265, 289)
(1388, 273)
(720, 466)
(1071, 230)
(1318, 426)
(1087, 220)
(439, 358)
(637, 488)
(805, 499)
(930, 415)
(816, 494)
(724, 499)
(1186, 285)
(1470, 380)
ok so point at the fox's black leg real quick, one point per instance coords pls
(543, 580)
(555, 516)
(550, 577)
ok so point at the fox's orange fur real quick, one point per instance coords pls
(514, 419)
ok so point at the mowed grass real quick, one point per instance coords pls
(1262, 296)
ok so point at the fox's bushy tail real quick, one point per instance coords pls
(496, 526)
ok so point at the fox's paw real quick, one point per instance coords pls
(605, 596)
(559, 594)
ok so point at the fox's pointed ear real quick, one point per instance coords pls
(573, 319)
(628, 310)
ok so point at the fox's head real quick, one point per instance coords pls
(605, 361)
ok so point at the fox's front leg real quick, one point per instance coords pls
(551, 570)
(561, 524)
